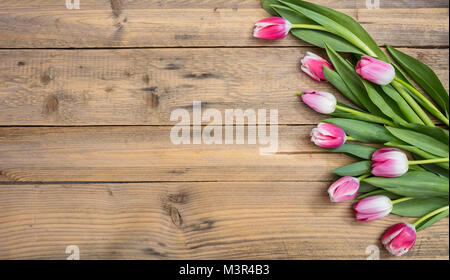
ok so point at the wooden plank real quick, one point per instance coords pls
(118, 26)
(51, 154)
(193, 221)
(143, 86)
(219, 4)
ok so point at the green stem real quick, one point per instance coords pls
(364, 176)
(428, 161)
(309, 26)
(433, 110)
(429, 215)
(412, 103)
(371, 194)
(401, 200)
(375, 119)
(349, 138)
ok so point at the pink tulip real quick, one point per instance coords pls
(343, 189)
(313, 64)
(328, 136)
(272, 28)
(320, 101)
(376, 71)
(389, 162)
(399, 238)
(372, 208)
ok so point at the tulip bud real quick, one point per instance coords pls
(399, 238)
(372, 208)
(343, 189)
(313, 64)
(376, 71)
(272, 28)
(389, 162)
(328, 136)
(320, 101)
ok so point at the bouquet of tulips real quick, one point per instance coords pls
(395, 101)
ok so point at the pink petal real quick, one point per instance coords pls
(270, 32)
(361, 217)
(328, 136)
(273, 20)
(322, 102)
(403, 240)
(373, 204)
(311, 74)
(313, 64)
(376, 71)
(389, 162)
(343, 189)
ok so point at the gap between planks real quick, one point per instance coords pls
(417, 47)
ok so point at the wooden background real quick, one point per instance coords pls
(85, 152)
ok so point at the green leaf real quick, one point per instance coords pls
(422, 141)
(361, 151)
(365, 187)
(340, 24)
(314, 37)
(400, 74)
(380, 192)
(414, 183)
(363, 131)
(403, 106)
(352, 80)
(435, 132)
(267, 5)
(419, 207)
(356, 116)
(417, 168)
(432, 220)
(319, 38)
(424, 76)
(379, 101)
(437, 169)
(336, 80)
(354, 169)
(292, 16)
(441, 169)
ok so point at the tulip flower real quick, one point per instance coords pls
(328, 136)
(376, 71)
(399, 238)
(313, 64)
(272, 28)
(372, 208)
(343, 189)
(389, 162)
(320, 101)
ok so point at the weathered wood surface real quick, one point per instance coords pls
(101, 172)
(177, 4)
(45, 24)
(192, 221)
(146, 154)
(143, 86)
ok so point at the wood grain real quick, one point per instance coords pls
(192, 221)
(119, 26)
(51, 154)
(85, 151)
(219, 4)
(143, 86)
